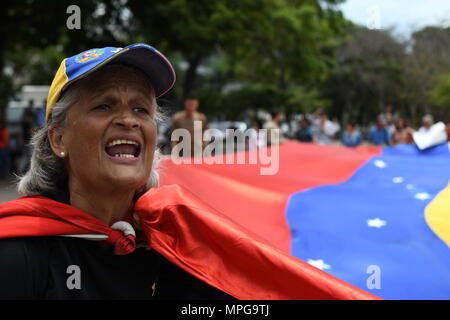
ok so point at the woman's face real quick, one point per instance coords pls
(110, 135)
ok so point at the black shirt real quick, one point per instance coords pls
(74, 268)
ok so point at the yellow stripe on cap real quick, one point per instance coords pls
(61, 81)
(437, 215)
(54, 93)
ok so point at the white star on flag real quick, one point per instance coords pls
(398, 180)
(422, 196)
(380, 164)
(319, 264)
(376, 223)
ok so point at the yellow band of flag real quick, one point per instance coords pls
(437, 215)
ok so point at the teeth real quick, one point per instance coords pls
(124, 155)
(120, 141)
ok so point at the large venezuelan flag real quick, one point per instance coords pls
(354, 213)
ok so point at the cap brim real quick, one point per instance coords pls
(150, 62)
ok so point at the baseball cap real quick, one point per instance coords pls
(139, 55)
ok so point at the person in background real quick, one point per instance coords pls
(305, 133)
(15, 151)
(427, 122)
(387, 118)
(379, 135)
(403, 134)
(351, 137)
(28, 122)
(185, 120)
(324, 129)
(447, 128)
(40, 117)
(257, 137)
(4, 148)
(386, 115)
(274, 134)
(390, 127)
(28, 125)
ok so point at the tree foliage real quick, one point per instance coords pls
(440, 94)
(34, 37)
(297, 55)
(367, 75)
(278, 42)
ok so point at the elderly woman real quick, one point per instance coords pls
(90, 163)
(92, 226)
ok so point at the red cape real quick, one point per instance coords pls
(193, 236)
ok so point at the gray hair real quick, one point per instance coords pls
(48, 174)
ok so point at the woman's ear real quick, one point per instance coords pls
(56, 138)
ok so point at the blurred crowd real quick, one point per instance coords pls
(386, 129)
(315, 127)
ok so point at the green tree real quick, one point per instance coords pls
(34, 37)
(274, 41)
(440, 94)
(367, 76)
(287, 46)
(284, 42)
(428, 58)
(182, 26)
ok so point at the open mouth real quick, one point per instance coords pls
(123, 148)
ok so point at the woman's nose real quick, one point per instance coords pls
(126, 120)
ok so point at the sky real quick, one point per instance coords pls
(405, 16)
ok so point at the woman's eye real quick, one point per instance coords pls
(102, 106)
(141, 110)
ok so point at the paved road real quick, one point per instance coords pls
(8, 190)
